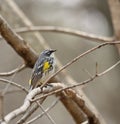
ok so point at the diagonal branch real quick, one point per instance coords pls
(47, 114)
(47, 110)
(14, 84)
(19, 45)
(78, 57)
(81, 83)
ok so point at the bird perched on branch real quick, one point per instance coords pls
(43, 68)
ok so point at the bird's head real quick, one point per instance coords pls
(48, 52)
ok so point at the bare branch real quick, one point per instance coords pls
(25, 20)
(109, 69)
(10, 91)
(91, 114)
(19, 45)
(114, 6)
(38, 104)
(27, 102)
(76, 112)
(78, 57)
(47, 110)
(73, 109)
(65, 30)
(88, 72)
(81, 83)
(47, 114)
(93, 117)
(20, 68)
(14, 84)
(28, 114)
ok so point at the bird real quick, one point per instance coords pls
(44, 67)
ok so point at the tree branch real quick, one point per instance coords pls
(114, 6)
(47, 110)
(78, 57)
(28, 114)
(65, 30)
(19, 45)
(47, 114)
(27, 102)
(13, 71)
(14, 84)
(81, 83)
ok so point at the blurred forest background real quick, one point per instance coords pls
(92, 16)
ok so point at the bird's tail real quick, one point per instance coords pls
(30, 84)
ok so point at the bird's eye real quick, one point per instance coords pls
(48, 53)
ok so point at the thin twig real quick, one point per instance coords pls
(47, 114)
(14, 84)
(109, 69)
(78, 57)
(18, 69)
(65, 30)
(88, 72)
(8, 85)
(10, 91)
(47, 110)
(2, 96)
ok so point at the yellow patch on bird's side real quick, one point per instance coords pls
(30, 82)
(46, 66)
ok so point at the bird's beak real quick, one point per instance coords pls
(53, 50)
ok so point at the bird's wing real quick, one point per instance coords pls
(37, 72)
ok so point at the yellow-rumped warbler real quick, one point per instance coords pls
(43, 68)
